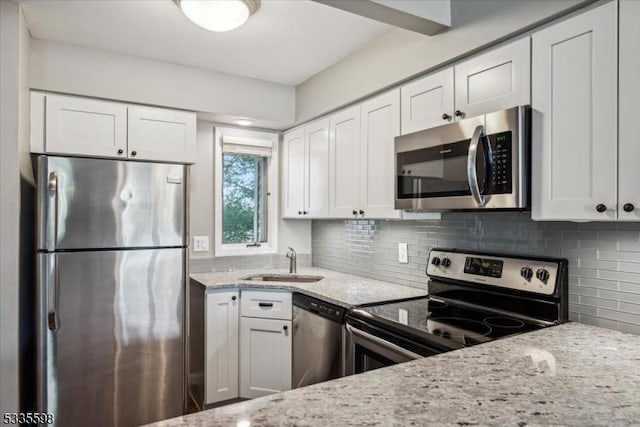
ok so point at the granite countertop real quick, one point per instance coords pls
(572, 374)
(342, 289)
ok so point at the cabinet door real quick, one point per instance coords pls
(162, 135)
(629, 140)
(293, 167)
(494, 80)
(265, 356)
(427, 102)
(316, 203)
(85, 127)
(222, 352)
(380, 125)
(574, 129)
(344, 163)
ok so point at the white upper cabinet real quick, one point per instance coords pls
(305, 171)
(344, 163)
(317, 169)
(629, 141)
(494, 80)
(293, 170)
(84, 127)
(380, 124)
(427, 102)
(222, 346)
(162, 135)
(77, 126)
(574, 128)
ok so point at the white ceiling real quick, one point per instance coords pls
(286, 41)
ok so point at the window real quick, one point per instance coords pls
(246, 192)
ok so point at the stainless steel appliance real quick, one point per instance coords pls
(473, 298)
(476, 163)
(317, 341)
(111, 282)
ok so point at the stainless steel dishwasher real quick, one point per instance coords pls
(318, 341)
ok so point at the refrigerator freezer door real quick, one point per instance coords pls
(116, 355)
(98, 204)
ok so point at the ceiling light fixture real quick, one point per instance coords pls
(244, 122)
(218, 15)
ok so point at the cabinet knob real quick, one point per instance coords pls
(304, 212)
(354, 212)
(628, 207)
(120, 151)
(601, 208)
(285, 327)
(459, 113)
(299, 212)
(361, 212)
(233, 298)
(133, 153)
(445, 116)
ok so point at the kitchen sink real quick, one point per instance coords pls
(297, 278)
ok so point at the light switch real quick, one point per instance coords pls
(200, 243)
(403, 253)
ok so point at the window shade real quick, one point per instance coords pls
(248, 146)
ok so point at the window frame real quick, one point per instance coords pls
(271, 245)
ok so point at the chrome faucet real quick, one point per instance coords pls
(291, 254)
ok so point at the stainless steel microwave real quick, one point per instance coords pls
(476, 163)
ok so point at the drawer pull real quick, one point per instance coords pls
(265, 304)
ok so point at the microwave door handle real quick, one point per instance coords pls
(472, 172)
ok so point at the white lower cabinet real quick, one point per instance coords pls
(221, 348)
(265, 356)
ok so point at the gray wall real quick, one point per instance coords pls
(604, 258)
(71, 69)
(14, 171)
(400, 54)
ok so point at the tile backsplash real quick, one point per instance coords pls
(245, 262)
(604, 258)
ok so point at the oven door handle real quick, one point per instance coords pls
(472, 172)
(383, 343)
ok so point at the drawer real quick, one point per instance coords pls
(266, 304)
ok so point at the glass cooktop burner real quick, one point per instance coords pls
(445, 322)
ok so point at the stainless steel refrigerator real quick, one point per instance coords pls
(111, 243)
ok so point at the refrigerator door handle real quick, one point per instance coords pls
(53, 301)
(52, 186)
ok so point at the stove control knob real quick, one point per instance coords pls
(446, 262)
(526, 272)
(542, 275)
(435, 261)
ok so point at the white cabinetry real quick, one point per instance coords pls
(265, 343)
(380, 124)
(306, 171)
(574, 129)
(265, 349)
(221, 351)
(344, 163)
(86, 127)
(629, 140)
(162, 135)
(427, 102)
(491, 81)
(77, 126)
(495, 80)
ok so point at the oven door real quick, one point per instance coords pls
(372, 348)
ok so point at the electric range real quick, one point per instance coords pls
(473, 298)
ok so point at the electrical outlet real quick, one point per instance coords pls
(403, 253)
(200, 243)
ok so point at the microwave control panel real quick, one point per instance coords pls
(501, 170)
